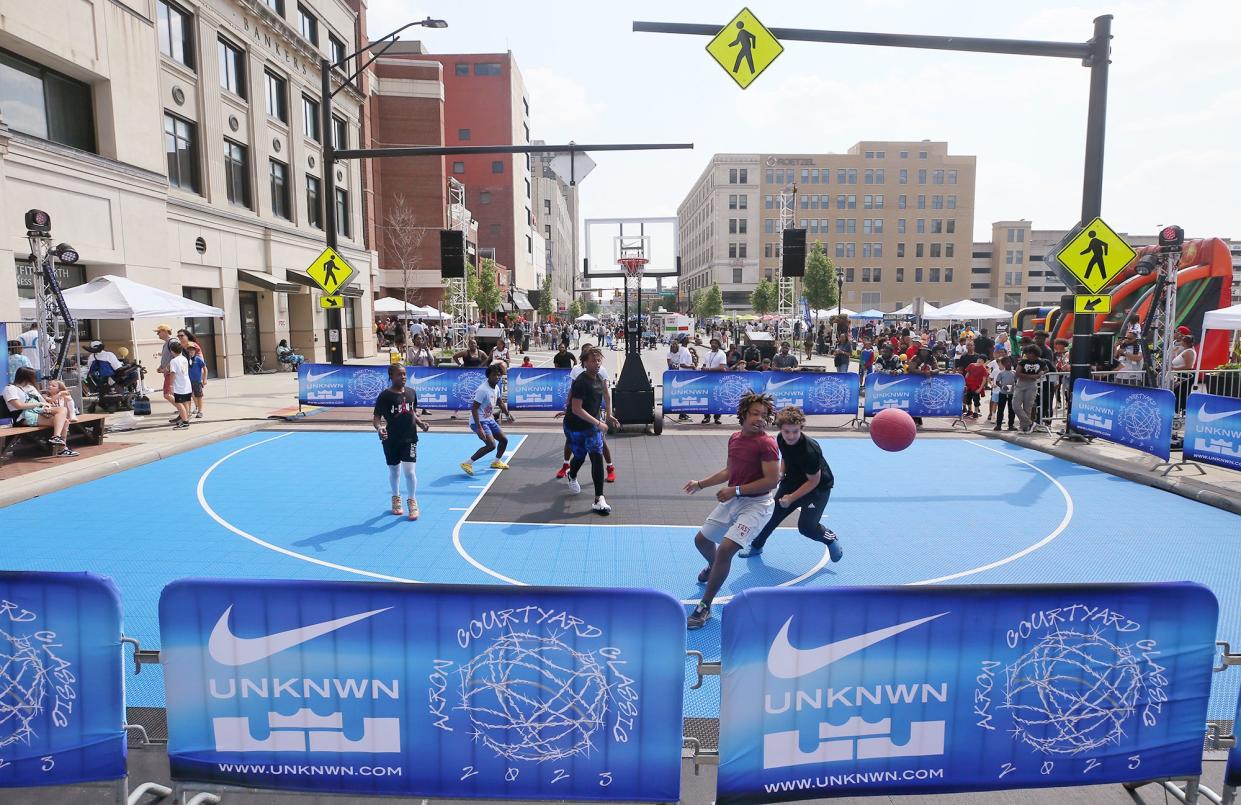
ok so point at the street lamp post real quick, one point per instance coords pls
(840, 290)
(335, 346)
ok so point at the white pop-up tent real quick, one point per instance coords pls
(929, 311)
(969, 310)
(113, 297)
(827, 313)
(1227, 318)
(390, 304)
(586, 317)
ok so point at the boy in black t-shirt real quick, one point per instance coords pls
(395, 419)
(584, 425)
(806, 483)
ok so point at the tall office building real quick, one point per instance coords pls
(555, 215)
(895, 216)
(178, 143)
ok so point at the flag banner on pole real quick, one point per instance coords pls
(689, 392)
(425, 690)
(62, 699)
(1213, 430)
(1134, 416)
(902, 690)
(916, 395)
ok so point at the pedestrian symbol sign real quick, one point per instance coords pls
(1091, 303)
(1096, 255)
(744, 48)
(330, 271)
(331, 302)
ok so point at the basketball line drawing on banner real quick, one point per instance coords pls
(31, 673)
(1140, 418)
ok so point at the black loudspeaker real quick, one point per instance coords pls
(452, 254)
(794, 251)
(1102, 346)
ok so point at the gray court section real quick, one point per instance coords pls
(651, 473)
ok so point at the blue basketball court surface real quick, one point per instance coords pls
(314, 505)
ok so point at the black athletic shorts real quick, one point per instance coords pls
(396, 451)
(181, 398)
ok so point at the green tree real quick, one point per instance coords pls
(819, 284)
(448, 303)
(487, 294)
(592, 307)
(708, 302)
(763, 299)
(575, 310)
(547, 305)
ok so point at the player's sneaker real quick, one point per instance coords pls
(564, 470)
(67, 453)
(699, 617)
(611, 476)
(467, 467)
(601, 507)
(704, 574)
(396, 505)
(574, 486)
(499, 465)
(746, 553)
(413, 509)
(832, 542)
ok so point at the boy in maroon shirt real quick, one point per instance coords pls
(975, 379)
(745, 504)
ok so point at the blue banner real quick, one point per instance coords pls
(538, 389)
(916, 395)
(901, 690)
(1213, 430)
(4, 362)
(425, 690)
(62, 700)
(719, 392)
(1134, 416)
(438, 388)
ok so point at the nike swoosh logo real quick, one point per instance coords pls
(1203, 416)
(522, 381)
(1087, 397)
(771, 384)
(228, 649)
(786, 662)
(314, 378)
(418, 381)
(676, 384)
(880, 386)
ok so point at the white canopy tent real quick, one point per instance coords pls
(870, 314)
(428, 312)
(929, 311)
(969, 310)
(827, 313)
(113, 297)
(390, 304)
(586, 317)
(1227, 318)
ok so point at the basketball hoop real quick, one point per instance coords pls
(633, 266)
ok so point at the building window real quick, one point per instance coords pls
(314, 202)
(277, 97)
(181, 147)
(275, 5)
(852, 175)
(934, 275)
(952, 226)
(900, 226)
(949, 249)
(497, 166)
(732, 201)
(236, 174)
(46, 104)
(851, 226)
(921, 226)
(744, 176)
(866, 274)
(952, 177)
(922, 155)
(952, 202)
(547, 206)
(937, 177)
(737, 278)
(743, 202)
(337, 49)
(458, 167)
(814, 176)
(488, 68)
(732, 175)
(483, 197)
(310, 118)
(176, 32)
(343, 227)
(768, 250)
(852, 202)
(904, 155)
(529, 245)
(948, 274)
(340, 133)
(279, 173)
(922, 176)
(232, 68)
(903, 178)
(463, 134)
(900, 250)
(308, 24)
(848, 275)
(937, 226)
(742, 226)
(919, 250)
(879, 201)
(918, 274)
(936, 250)
(900, 273)
(461, 68)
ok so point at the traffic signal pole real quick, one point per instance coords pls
(335, 338)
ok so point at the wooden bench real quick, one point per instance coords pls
(90, 425)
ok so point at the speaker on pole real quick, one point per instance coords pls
(793, 263)
(452, 254)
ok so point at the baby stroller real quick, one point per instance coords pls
(110, 388)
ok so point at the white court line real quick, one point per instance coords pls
(458, 508)
(1064, 523)
(202, 501)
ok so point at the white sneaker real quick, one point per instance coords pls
(601, 507)
(574, 486)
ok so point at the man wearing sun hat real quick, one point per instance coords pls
(165, 357)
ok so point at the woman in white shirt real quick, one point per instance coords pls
(29, 408)
(1183, 364)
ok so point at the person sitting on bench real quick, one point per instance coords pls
(30, 409)
(285, 354)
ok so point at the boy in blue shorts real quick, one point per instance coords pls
(585, 425)
(483, 422)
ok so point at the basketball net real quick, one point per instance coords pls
(634, 266)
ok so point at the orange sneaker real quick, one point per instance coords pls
(413, 509)
(396, 505)
(611, 477)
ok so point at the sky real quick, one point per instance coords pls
(1173, 121)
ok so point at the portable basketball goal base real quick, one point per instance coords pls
(633, 396)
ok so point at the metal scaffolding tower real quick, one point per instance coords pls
(786, 287)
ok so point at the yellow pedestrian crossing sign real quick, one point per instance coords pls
(744, 48)
(331, 302)
(330, 271)
(1096, 255)
(1092, 303)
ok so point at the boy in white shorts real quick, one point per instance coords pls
(745, 504)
